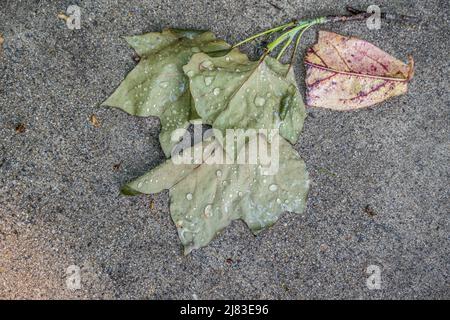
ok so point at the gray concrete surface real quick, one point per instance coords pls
(380, 176)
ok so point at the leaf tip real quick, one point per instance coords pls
(126, 190)
(411, 64)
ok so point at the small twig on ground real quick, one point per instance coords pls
(357, 14)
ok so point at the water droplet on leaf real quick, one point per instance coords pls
(260, 101)
(207, 64)
(208, 80)
(208, 210)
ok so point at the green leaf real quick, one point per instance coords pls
(157, 86)
(233, 92)
(205, 197)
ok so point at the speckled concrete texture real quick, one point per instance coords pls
(380, 176)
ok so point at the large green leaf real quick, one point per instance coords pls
(205, 197)
(157, 86)
(233, 92)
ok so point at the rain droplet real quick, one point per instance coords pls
(208, 80)
(240, 194)
(139, 184)
(260, 101)
(208, 210)
(216, 91)
(218, 173)
(207, 64)
(278, 201)
(227, 59)
(190, 73)
(189, 196)
(164, 84)
(273, 187)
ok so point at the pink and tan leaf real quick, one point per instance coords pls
(346, 73)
